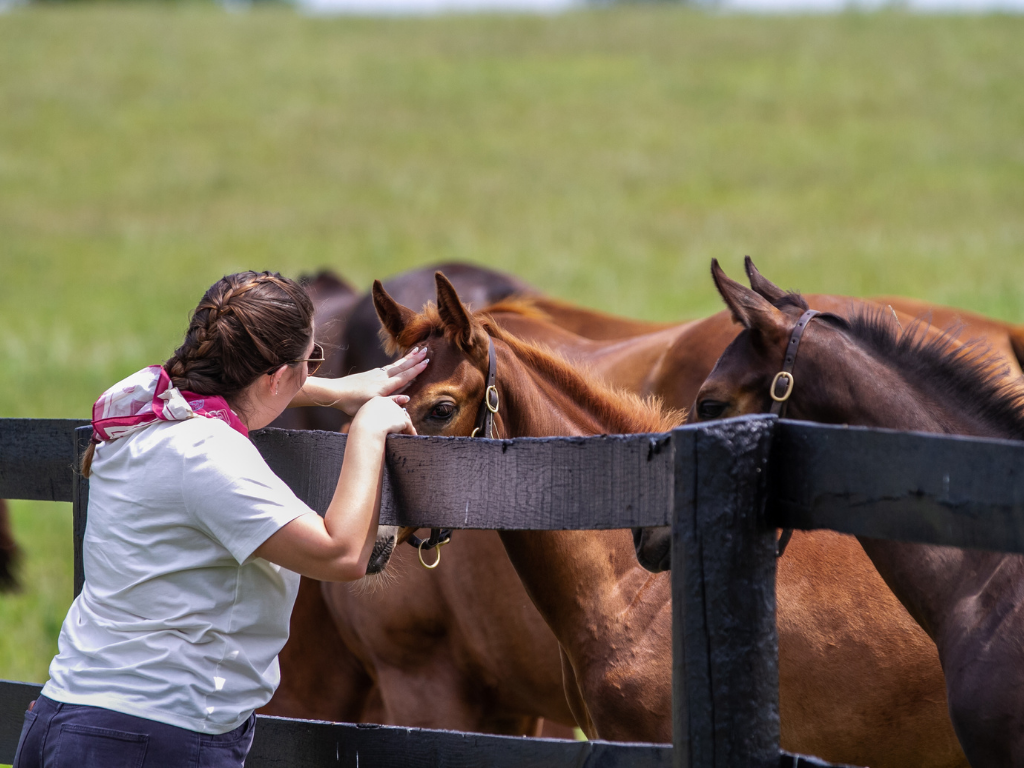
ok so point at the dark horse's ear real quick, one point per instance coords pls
(749, 308)
(393, 316)
(451, 309)
(760, 283)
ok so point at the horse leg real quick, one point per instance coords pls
(436, 697)
(9, 552)
(574, 697)
(320, 678)
(549, 729)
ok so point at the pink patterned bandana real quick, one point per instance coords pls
(147, 397)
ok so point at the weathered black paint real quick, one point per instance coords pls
(726, 680)
(284, 743)
(555, 483)
(79, 504)
(932, 489)
(36, 457)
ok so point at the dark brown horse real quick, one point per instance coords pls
(10, 553)
(867, 370)
(333, 303)
(613, 620)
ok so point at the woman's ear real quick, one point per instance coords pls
(276, 378)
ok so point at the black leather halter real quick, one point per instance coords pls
(784, 378)
(782, 388)
(484, 428)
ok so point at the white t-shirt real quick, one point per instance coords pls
(177, 621)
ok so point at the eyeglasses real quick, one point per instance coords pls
(314, 361)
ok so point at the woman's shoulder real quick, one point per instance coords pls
(193, 437)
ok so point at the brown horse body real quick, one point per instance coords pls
(867, 370)
(415, 654)
(10, 553)
(612, 619)
(461, 647)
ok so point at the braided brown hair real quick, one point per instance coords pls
(247, 324)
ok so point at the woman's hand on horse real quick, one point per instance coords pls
(350, 393)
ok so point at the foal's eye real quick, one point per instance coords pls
(442, 411)
(710, 409)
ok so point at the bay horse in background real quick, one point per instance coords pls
(616, 632)
(478, 287)
(866, 370)
(334, 300)
(10, 553)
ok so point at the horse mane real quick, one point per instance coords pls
(627, 412)
(965, 375)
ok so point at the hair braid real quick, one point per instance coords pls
(246, 324)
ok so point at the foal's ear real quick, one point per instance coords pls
(760, 283)
(451, 309)
(749, 308)
(393, 316)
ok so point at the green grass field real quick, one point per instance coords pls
(606, 156)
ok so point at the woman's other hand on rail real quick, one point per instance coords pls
(384, 415)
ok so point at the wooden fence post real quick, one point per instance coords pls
(79, 504)
(725, 643)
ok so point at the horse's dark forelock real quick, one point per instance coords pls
(968, 376)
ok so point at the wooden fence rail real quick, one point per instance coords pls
(722, 487)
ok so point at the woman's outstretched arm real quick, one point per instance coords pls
(338, 546)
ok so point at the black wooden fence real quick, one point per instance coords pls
(723, 487)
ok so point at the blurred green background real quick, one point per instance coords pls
(605, 156)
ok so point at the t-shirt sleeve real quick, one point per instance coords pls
(233, 495)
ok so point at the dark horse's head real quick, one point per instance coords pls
(740, 382)
(864, 369)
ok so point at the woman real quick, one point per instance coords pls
(194, 547)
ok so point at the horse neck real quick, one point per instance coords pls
(931, 581)
(577, 579)
(545, 396)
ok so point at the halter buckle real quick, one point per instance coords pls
(491, 390)
(789, 381)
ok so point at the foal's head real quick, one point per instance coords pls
(446, 397)
(865, 370)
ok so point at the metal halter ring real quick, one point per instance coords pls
(790, 382)
(487, 399)
(437, 562)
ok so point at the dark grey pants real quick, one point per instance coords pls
(57, 735)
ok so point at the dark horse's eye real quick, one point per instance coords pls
(442, 411)
(710, 409)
